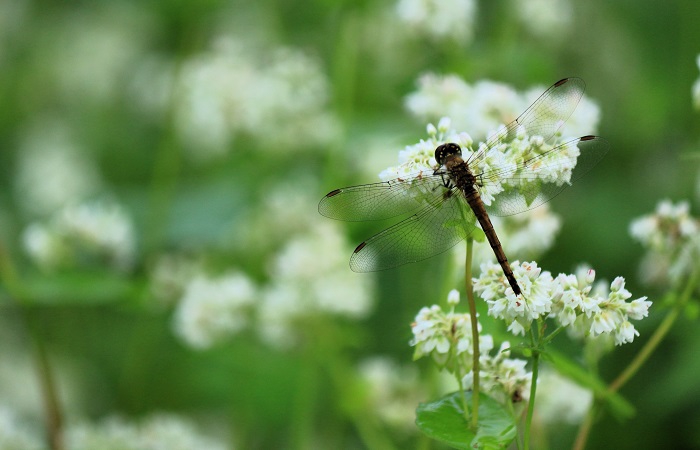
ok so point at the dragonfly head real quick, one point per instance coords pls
(445, 150)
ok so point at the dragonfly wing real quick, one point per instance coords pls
(377, 201)
(432, 230)
(543, 118)
(541, 178)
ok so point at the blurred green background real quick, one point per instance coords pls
(127, 94)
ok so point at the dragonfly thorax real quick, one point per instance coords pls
(445, 150)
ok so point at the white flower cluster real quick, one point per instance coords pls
(672, 237)
(154, 433)
(504, 378)
(236, 89)
(52, 170)
(213, 309)
(440, 19)
(569, 299)
(80, 234)
(447, 338)
(503, 157)
(547, 19)
(483, 106)
(310, 278)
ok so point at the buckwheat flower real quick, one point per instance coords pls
(156, 432)
(238, 87)
(392, 391)
(518, 312)
(213, 309)
(446, 337)
(52, 169)
(441, 20)
(696, 87)
(309, 280)
(560, 400)
(17, 435)
(78, 234)
(672, 237)
(504, 378)
(597, 312)
(547, 19)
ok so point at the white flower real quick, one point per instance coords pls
(213, 309)
(279, 96)
(52, 170)
(156, 432)
(96, 230)
(310, 278)
(517, 311)
(570, 299)
(505, 379)
(480, 108)
(441, 20)
(547, 19)
(446, 337)
(672, 237)
(560, 400)
(171, 275)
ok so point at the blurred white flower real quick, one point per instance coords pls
(92, 56)
(278, 96)
(310, 277)
(546, 19)
(696, 87)
(570, 299)
(672, 237)
(482, 107)
(157, 432)
(560, 400)
(98, 231)
(17, 435)
(393, 391)
(52, 171)
(451, 20)
(213, 309)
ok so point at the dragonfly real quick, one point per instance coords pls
(444, 205)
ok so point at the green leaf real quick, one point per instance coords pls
(78, 288)
(444, 421)
(618, 405)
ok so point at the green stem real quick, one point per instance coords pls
(533, 384)
(52, 410)
(475, 333)
(304, 401)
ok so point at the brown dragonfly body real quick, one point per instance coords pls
(450, 155)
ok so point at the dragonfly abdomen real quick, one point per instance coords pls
(464, 179)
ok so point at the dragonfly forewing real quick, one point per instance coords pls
(433, 229)
(377, 201)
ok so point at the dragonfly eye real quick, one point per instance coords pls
(445, 150)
